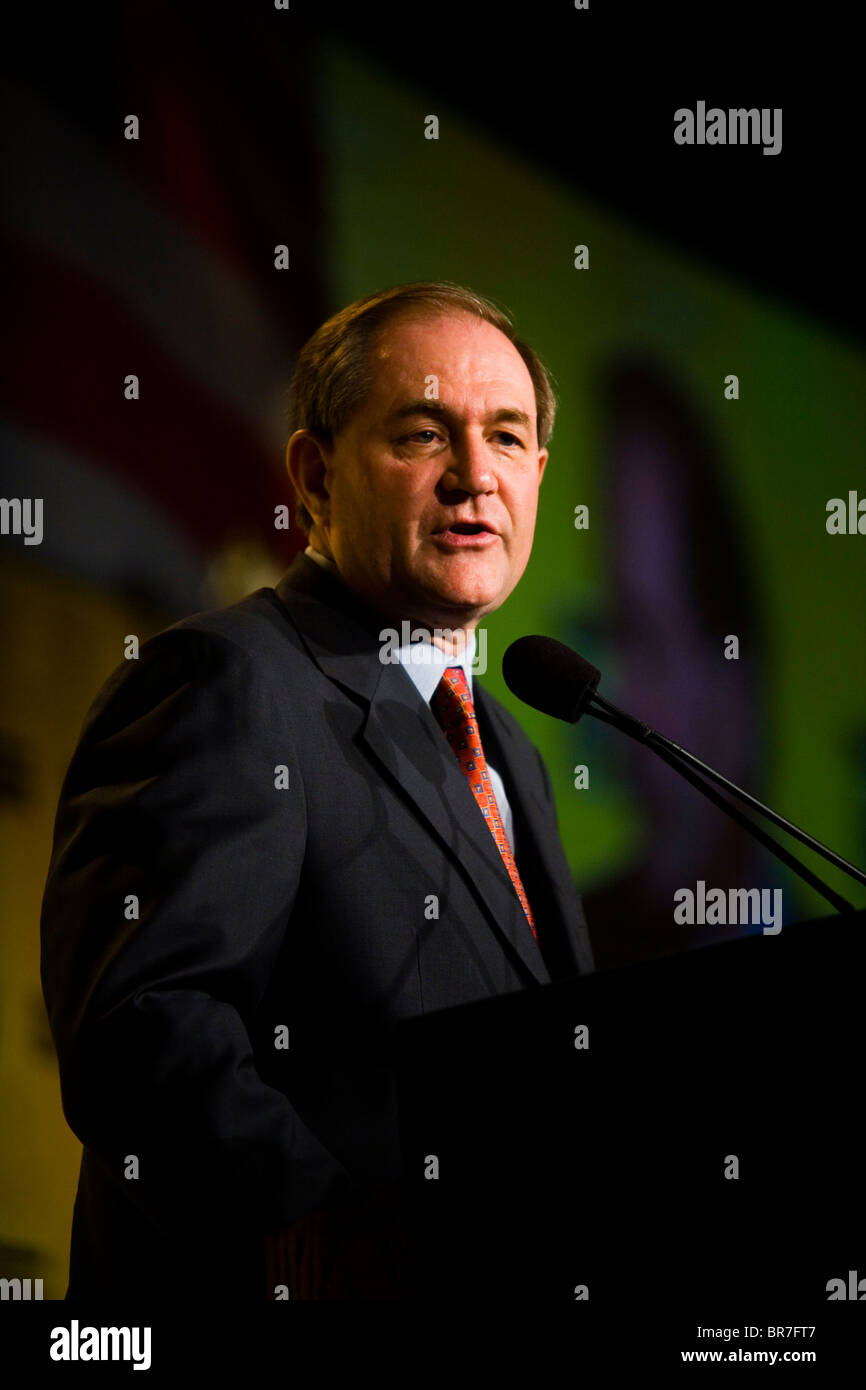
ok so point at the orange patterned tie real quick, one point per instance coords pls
(453, 707)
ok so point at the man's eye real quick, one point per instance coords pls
(503, 434)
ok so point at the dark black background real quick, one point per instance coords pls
(589, 95)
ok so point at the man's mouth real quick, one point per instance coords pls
(462, 533)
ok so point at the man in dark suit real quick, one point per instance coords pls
(280, 834)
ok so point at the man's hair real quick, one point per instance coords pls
(334, 370)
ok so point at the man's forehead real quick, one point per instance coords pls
(429, 333)
(453, 348)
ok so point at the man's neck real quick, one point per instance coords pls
(453, 641)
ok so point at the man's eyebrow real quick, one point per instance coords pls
(442, 412)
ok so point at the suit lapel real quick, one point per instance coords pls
(342, 636)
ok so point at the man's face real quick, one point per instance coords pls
(407, 470)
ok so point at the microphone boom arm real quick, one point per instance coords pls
(688, 765)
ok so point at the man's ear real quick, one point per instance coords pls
(543, 456)
(307, 465)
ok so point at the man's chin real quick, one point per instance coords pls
(472, 579)
(455, 605)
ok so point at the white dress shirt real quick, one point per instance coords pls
(425, 664)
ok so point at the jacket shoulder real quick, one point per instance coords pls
(254, 624)
(227, 651)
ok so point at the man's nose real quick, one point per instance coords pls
(469, 467)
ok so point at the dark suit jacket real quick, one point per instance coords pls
(195, 907)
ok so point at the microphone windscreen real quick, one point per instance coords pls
(549, 676)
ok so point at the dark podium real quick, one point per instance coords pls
(702, 1145)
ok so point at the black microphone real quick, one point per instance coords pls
(552, 678)
(549, 676)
